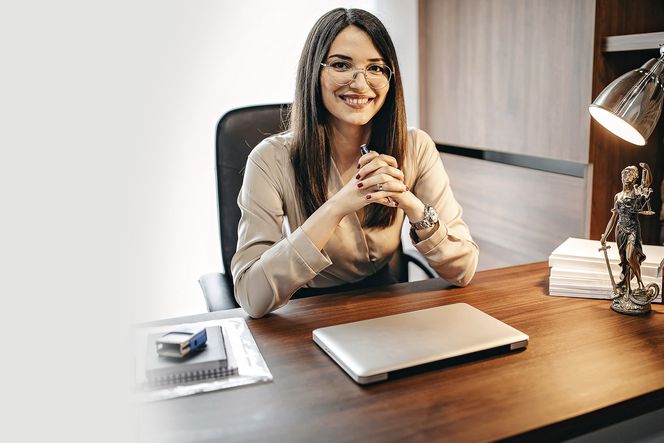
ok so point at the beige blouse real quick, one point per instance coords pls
(275, 257)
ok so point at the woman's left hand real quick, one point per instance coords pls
(380, 173)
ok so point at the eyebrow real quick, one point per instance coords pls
(345, 57)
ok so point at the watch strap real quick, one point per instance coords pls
(430, 218)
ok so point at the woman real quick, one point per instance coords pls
(341, 211)
(627, 206)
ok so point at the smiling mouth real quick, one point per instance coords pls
(356, 100)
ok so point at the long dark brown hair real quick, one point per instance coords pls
(311, 155)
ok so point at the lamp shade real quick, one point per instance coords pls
(630, 106)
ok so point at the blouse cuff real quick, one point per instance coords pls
(431, 243)
(310, 255)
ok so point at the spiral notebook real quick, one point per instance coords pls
(209, 363)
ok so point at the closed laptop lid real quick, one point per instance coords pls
(369, 350)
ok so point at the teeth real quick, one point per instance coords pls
(356, 101)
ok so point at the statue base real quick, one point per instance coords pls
(636, 302)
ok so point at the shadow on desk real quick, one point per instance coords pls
(489, 354)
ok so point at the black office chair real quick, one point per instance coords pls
(238, 132)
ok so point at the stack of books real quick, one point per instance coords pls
(578, 269)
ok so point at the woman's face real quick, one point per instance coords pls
(356, 103)
(628, 175)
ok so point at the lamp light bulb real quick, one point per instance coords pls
(617, 125)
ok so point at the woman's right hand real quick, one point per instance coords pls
(374, 171)
(360, 191)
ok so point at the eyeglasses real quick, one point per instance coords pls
(343, 73)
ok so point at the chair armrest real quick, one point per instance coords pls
(423, 266)
(218, 292)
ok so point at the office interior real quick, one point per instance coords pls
(502, 87)
(130, 103)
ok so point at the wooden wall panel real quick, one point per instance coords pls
(516, 215)
(510, 75)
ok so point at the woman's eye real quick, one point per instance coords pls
(376, 68)
(341, 66)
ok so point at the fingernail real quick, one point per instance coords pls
(357, 176)
(396, 203)
(358, 166)
(368, 196)
(360, 184)
(407, 188)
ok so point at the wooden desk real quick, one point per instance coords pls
(586, 367)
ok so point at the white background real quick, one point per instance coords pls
(107, 183)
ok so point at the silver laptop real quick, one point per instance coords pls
(369, 350)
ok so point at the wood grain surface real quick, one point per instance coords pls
(633, 42)
(509, 76)
(516, 215)
(585, 365)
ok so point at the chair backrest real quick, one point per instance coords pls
(238, 132)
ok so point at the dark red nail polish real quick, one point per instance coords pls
(357, 176)
(358, 166)
(360, 184)
(369, 197)
(396, 203)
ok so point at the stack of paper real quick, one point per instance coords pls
(578, 269)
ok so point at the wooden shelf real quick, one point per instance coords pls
(633, 42)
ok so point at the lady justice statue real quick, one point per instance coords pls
(628, 204)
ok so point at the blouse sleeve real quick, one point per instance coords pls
(450, 250)
(269, 266)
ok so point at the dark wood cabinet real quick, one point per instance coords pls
(626, 36)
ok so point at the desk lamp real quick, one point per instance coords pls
(630, 107)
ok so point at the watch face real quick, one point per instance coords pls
(431, 215)
(430, 218)
(434, 216)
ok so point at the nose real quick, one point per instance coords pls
(360, 73)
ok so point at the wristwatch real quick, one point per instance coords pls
(430, 219)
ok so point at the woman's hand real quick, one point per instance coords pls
(380, 178)
(363, 189)
(375, 169)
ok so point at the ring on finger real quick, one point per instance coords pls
(379, 186)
